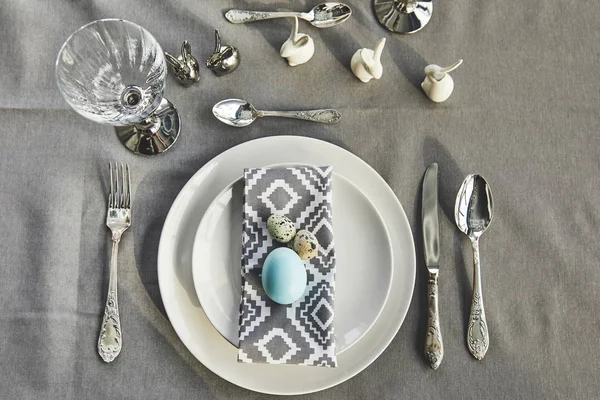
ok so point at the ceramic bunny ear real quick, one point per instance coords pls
(452, 67)
(294, 36)
(438, 72)
(378, 50)
(373, 58)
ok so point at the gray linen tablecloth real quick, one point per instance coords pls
(524, 114)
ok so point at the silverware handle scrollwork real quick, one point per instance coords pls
(478, 339)
(434, 346)
(242, 16)
(110, 339)
(327, 116)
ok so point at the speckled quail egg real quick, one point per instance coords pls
(281, 228)
(306, 244)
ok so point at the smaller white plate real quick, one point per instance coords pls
(364, 265)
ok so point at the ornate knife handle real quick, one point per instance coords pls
(434, 346)
(478, 339)
(110, 340)
(242, 16)
(327, 116)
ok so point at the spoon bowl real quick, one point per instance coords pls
(235, 112)
(326, 15)
(474, 208)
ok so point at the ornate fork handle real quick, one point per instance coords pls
(434, 347)
(327, 116)
(110, 340)
(478, 339)
(242, 16)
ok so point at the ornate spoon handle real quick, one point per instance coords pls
(109, 341)
(434, 346)
(327, 116)
(242, 16)
(478, 339)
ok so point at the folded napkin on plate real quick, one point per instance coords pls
(302, 332)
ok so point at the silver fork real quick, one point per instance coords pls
(118, 220)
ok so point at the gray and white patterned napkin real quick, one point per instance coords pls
(300, 333)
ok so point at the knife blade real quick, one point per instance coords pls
(431, 225)
(434, 348)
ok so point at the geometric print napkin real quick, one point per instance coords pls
(302, 332)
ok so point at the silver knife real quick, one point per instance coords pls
(434, 347)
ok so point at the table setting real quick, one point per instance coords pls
(333, 250)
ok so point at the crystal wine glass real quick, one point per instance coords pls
(113, 72)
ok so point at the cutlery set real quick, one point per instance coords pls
(147, 123)
(473, 214)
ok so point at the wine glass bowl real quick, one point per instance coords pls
(113, 72)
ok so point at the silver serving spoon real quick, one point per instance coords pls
(324, 15)
(473, 213)
(238, 113)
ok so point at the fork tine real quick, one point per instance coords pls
(128, 199)
(117, 196)
(123, 185)
(111, 194)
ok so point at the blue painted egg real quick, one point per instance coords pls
(284, 276)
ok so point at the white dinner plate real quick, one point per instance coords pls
(363, 253)
(175, 266)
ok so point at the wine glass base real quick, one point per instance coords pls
(152, 138)
(403, 16)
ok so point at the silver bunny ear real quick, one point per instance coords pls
(217, 42)
(186, 50)
(173, 61)
(185, 67)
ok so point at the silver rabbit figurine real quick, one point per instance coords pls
(224, 59)
(185, 67)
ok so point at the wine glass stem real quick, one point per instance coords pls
(150, 126)
(131, 96)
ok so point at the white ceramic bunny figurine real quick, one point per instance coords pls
(366, 63)
(438, 85)
(299, 48)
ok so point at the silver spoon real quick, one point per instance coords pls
(324, 15)
(473, 213)
(238, 113)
